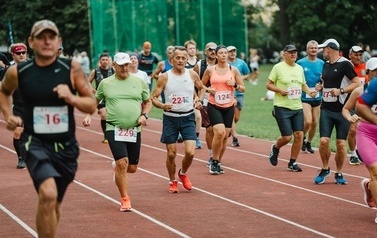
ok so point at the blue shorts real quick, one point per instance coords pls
(121, 149)
(172, 126)
(328, 120)
(50, 160)
(240, 101)
(288, 120)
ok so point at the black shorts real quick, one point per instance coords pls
(121, 149)
(101, 104)
(50, 159)
(218, 115)
(328, 120)
(288, 120)
(313, 103)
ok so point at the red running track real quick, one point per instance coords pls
(252, 198)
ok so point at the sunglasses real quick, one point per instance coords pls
(211, 49)
(20, 53)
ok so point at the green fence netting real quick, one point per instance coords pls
(123, 25)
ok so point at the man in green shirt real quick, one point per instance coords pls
(125, 94)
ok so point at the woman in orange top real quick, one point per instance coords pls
(223, 80)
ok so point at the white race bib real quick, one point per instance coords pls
(205, 99)
(50, 120)
(223, 97)
(327, 95)
(294, 92)
(180, 100)
(125, 135)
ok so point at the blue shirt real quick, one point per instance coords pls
(312, 72)
(242, 67)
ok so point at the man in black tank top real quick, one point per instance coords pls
(50, 87)
(104, 70)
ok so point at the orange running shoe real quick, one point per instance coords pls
(368, 198)
(173, 187)
(125, 204)
(185, 181)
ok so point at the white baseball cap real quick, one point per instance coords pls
(371, 64)
(122, 58)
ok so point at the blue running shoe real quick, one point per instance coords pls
(198, 144)
(339, 179)
(320, 179)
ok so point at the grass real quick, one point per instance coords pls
(256, 118)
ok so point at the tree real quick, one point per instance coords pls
(70, 16)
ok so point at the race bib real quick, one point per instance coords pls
(50, 120)
(308, 95)
(180, 100)
(294, 92)
(327, 95)
(223, 97)
(125, 135)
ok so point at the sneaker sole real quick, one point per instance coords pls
(364, 191)
(125, 210)
(323, 179)
(297, 170)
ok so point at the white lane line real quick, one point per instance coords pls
(19, 221)
(228, 200)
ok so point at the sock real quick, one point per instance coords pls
(103, 126)
(197, 134)
(16, 145)
(210, 153)
(180, 172)
(292, 161)
(353, 153)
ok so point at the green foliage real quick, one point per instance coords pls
(70, 16)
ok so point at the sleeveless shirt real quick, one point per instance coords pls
(45, 115)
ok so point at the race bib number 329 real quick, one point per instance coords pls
(49, 120)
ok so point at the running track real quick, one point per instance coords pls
(252, 198)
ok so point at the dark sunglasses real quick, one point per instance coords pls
(211, 49)
(20, 53)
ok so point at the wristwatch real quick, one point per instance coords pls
(145, 115)
(342, 91)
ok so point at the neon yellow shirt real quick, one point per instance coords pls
(291, 79)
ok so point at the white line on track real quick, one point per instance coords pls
(18, 220)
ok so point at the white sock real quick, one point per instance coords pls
(353, 153)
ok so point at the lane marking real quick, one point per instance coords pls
(19, 221)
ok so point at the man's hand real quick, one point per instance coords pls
(87, 120)
(13, 122)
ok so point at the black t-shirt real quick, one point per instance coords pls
(146, 62)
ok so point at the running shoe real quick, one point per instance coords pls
(320, 179)
(198, 144)
(354, 160)
(179, 139)
(219, 169)
(339, 179)
(173, 187)
(368, 198)
(235, 142)
(294, 167)
(214, 167)
(274, 155)
(185, 181)
(308, 147)
(21, 163)
(125, 204)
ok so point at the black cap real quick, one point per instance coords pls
(290, 48)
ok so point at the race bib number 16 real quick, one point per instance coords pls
(50, 120)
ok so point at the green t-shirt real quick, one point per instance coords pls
(290, 78)
(123, 101)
